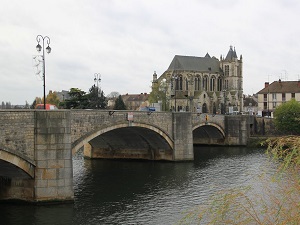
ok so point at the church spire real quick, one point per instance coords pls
(231, 55)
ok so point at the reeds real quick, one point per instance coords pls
(275, 202)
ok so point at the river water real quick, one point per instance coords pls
(145, 192)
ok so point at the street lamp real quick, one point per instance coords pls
(97, 79)
(40, 38)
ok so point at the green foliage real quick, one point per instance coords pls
(96, 98)
(119, 104)
(159, 93)
(78, 99)
(287, 117)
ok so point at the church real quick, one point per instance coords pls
(203, 84)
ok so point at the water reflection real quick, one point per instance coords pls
(145, 192)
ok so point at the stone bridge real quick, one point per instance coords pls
(36, 146)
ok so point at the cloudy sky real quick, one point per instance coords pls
(127, 40)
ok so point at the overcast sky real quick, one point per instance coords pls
(127, 40)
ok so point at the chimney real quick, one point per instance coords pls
(266, 84)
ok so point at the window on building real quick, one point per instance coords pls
(205, 83)
(197, 83)
(265, 105)
(212, 83)
(274, 96)
(186, 84)
(293, 95)
(265, 97)
(219, 85)
(274, 105)
(283, 97)
(178, 84)
(227, 70)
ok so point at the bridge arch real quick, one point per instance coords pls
(208, 133)
(144, 131)
(18, 161)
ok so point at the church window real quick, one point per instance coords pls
(197, 83)
(212, 84)
(178, 84)
(219, 84)
(227, 70)
(186, 84)
(205, 81)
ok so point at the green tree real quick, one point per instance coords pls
(159, 93)
(287, 117)
(78, 99)
(96, 98)
(119, 104)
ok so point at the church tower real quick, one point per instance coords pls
(233, 78)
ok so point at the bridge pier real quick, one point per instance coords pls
(53, 157)
(183, 137)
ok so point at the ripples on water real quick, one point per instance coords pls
(143, 192)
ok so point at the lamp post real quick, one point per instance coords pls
(97, 79)
(40, 38)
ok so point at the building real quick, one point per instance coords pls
(276, 93)
(203, 84)
(135, 101)
(250, 104)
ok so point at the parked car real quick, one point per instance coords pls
(48, 106)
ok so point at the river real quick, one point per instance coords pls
(145, 192)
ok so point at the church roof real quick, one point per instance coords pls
(193, 63)
(231, 54)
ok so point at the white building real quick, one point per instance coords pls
(276, 93)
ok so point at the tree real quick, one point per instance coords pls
(159, 93)
(36, 101)
(26, 105)
(113, 94)
(119, 104)
(96, 98)
(52, 98)
(78, 99)
(287, 117)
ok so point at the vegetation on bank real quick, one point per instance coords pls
(287, 117)
(278, 203)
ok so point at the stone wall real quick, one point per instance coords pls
(263, 126)
(17, 132)
(237, 132)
